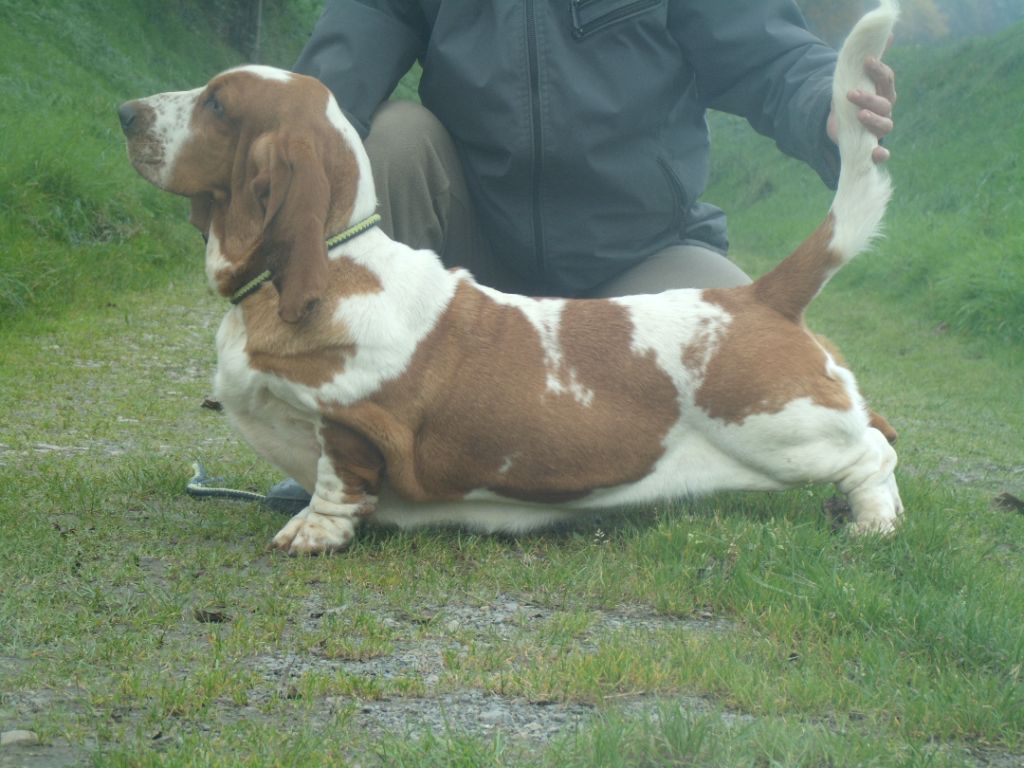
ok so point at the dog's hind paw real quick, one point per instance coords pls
(883, 527)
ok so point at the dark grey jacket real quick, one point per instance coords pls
(581, 123)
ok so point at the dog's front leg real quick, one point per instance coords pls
(347, 480)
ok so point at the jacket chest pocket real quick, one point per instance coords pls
(591, 16)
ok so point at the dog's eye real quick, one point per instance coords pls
(213, 104)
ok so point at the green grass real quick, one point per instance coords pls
(141, 627)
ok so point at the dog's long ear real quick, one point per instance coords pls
(275, 219)
(297, 197)
(201, 212)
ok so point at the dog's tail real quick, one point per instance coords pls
(864, 188)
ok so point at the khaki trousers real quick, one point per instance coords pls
(424, 203)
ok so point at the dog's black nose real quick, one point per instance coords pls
(129, 115)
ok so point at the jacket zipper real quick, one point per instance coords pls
(678, 196)
(538, 158)
(581, 29)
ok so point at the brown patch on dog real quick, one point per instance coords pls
(357, 462)
(312, 352)
(766, 358)
(876, 420)
(763, 361)
(879, 422)
(474, 411)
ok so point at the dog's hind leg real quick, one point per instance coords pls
(870, 486)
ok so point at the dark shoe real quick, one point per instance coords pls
(287, 497)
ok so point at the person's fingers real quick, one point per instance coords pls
(878, 124)
(872, 102)
(882, 75)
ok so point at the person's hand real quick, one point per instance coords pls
(875, 108)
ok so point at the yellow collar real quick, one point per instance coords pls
(342, 237)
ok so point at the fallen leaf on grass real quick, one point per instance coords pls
(211, 615)
(1009, 502)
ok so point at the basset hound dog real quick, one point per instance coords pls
(396, 390)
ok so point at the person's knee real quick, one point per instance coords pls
(678, 266)
(402, 133)
(417, 175)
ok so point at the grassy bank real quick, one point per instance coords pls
(77, 229)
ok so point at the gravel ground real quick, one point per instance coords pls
(420, 644)
(419, 654)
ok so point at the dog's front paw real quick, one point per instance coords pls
(310, 533)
